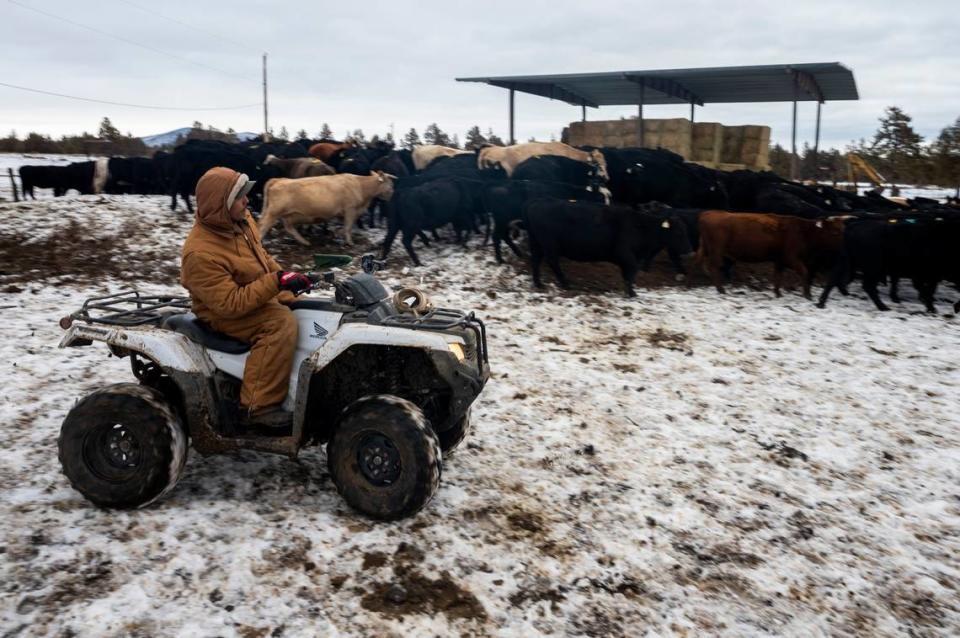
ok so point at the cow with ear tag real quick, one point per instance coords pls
(585, 231)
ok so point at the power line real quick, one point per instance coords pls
(245, 47)
(136, 106)
(126, 40)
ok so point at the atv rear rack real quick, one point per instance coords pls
(129, 308)
(444, 319)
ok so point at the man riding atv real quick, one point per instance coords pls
(237, 288)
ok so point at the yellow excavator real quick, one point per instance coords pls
(857, 165)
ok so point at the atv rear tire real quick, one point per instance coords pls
(452, 437)
(384, 457)
(122, 446)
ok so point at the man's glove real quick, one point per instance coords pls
(293, 281)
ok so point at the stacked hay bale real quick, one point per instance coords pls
(707, 143)
(672, 134)
(755, 152)
(746, 147)
(711, 143)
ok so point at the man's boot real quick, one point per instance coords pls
(273, 418)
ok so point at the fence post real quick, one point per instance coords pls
(13, 185)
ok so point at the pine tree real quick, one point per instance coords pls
(108, 131)
(897, 145)
(358, 136)
(388, 138)
(283, 134)
(411, 139)
(433, 135)
(475, 138)
(326, 133)
(302, 134)
(780, 160)
(493, 138)
(945, 156)
(455, 142)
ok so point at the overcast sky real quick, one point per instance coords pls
(372, 64)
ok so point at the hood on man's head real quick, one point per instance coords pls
(241, 187)
(214, 191)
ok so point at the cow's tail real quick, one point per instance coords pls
(267, 218)
(700, 260)
(393, 224)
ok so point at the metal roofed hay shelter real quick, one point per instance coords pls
(819, 82)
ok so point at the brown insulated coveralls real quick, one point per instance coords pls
(233, 288)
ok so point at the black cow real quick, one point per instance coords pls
(194, 158)
(137, 175)
(163, 169)
(40, 177)
(553, 168)
(504, 200)
(639, 175)
(921, 249)
(77, 176)
(396, 163)
(429, 206)
(593, 232)
(462, 165)
(258, 151)
(359, 161)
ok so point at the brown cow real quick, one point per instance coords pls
(323, 151)
(802, 245)
(295, 168)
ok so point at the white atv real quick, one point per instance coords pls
(385, 383)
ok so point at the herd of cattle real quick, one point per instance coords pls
(617, 205)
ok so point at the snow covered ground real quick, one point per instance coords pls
(682, 463)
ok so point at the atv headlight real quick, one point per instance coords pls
(457, 351)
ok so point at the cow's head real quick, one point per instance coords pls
(674, 233)
(384, 185)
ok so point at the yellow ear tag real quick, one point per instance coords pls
(665, 225)
(892, 221)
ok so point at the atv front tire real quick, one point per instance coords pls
(122, 446)
(384, 457)
(453, 436)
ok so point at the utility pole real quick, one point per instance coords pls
(266, 126)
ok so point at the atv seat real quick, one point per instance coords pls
(195, 330)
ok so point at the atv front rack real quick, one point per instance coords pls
(443, 319)
(129, 308)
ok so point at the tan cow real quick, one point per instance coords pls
(509, 157)
(423, 154)
(315, 199)
(298, 167)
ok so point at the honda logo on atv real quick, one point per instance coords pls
(319, 332)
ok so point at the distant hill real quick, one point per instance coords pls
(164, 139)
